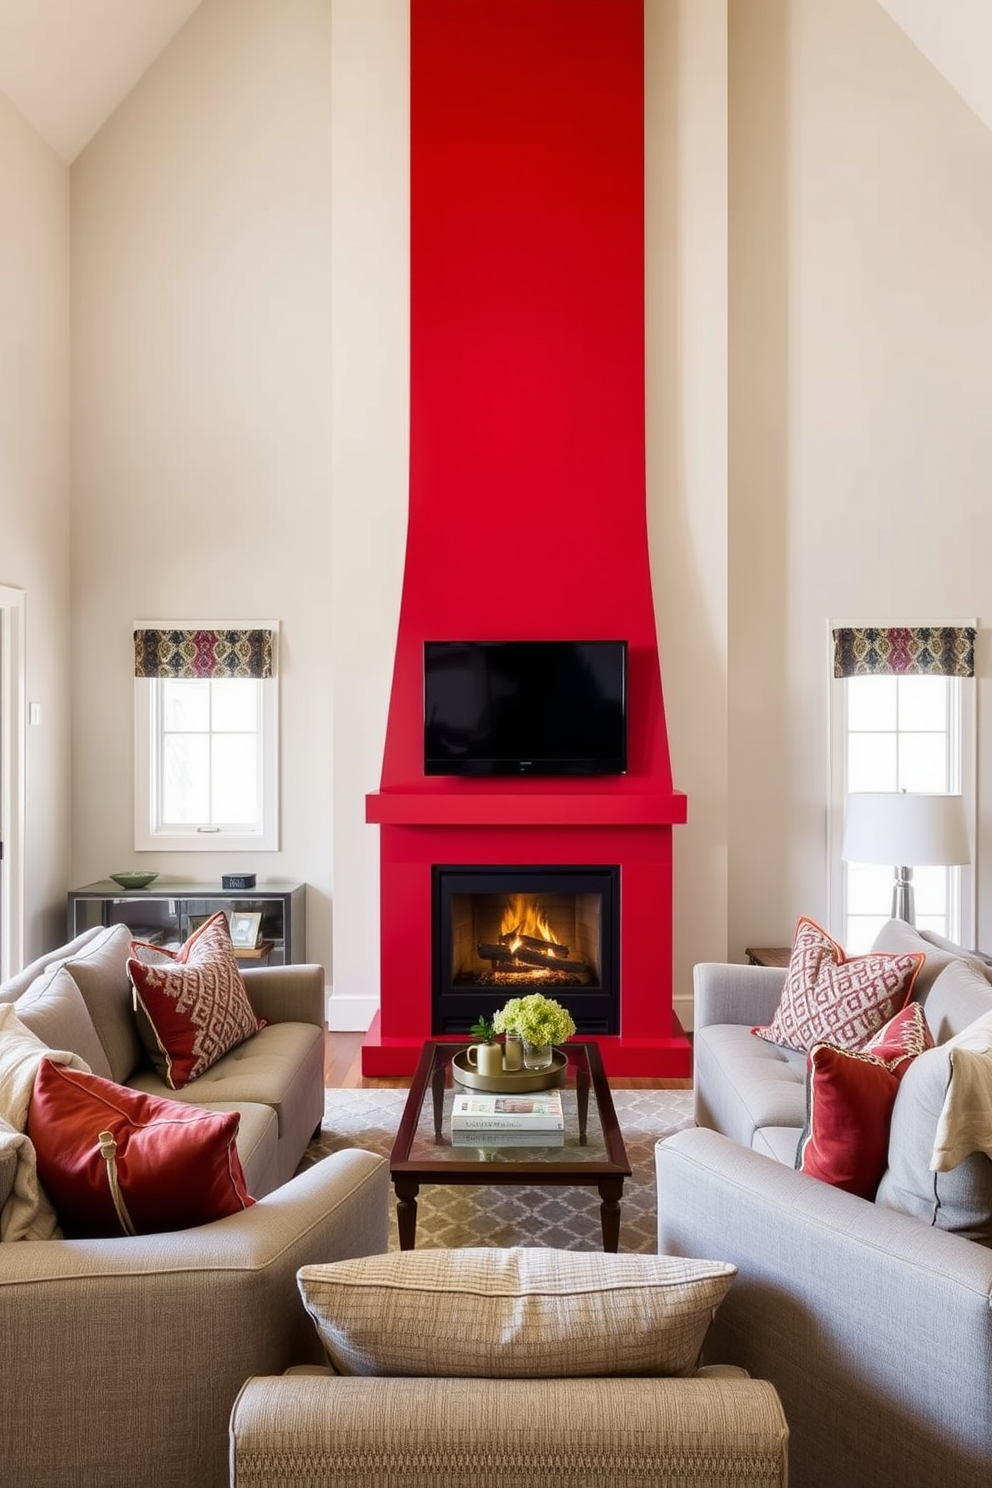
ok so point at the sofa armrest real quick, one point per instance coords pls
(287, 994)
(875, 1328)
(160, 1331)
(727, 993)
(335, 1432)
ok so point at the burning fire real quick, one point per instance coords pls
(524, 919)
(527, 950)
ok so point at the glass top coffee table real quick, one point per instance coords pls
(592, 1155)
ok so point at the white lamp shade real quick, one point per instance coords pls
(905, 827)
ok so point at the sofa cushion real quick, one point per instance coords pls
(940, 1119)
(959, 995)
(980, 958)
(849, 1100)
(829, 997)
(54, 1010)
(99, 970)
(897, 937)
(743, 1085)
(118, 1161)
(11, 989)
(514, 1313)
(266, 1068)
(193, 1001)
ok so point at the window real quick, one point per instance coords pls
(901, 730)
(206, 737)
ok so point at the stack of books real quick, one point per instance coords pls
(479, 1120)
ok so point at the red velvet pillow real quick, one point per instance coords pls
(829, 997)
(849, 1100)
(193, 1000)
(173, 1164)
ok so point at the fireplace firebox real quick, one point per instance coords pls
(502, 932)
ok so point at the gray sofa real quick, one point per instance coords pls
(122, 1358)
(872, 1321)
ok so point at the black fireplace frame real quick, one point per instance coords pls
(596, 1010)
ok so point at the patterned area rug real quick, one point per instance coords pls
(566, 1218)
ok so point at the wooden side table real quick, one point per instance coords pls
(768, 956)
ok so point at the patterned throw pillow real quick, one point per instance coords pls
(194, 1001)
(832, 998)
(517, 1313)
(117, 1161)
(849, 1099)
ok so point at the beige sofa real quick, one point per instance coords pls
(873, 1319)
(122, 1358)
(322, 1431)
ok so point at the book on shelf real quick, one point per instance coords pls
(505, 1136)
(477, 1111)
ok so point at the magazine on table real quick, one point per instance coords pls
(474, 1111)
(505, 1136)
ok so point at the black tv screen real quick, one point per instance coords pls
(525, 707)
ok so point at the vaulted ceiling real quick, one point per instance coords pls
(66, 64)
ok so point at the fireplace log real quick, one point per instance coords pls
(534, 943)
(507, 959)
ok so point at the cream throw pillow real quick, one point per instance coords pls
(965, 1122)
(514, 1313)
(27, 1213)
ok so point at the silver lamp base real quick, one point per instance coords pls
(903, 905)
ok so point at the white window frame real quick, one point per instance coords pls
(203, 837)
(964, 739)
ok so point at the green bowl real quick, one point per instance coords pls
(134, 880)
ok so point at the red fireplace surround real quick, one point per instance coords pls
(527, 510)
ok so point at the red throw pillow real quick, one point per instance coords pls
(172, 1164)
(902, 1038)
(832, 998)
(194, 1001)
(849, 1100)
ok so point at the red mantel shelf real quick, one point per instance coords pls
(558, 804)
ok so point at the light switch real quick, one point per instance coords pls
(34, 712)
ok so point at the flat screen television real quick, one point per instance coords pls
(525, 707)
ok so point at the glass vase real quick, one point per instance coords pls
(513, 1052)
(538, 1056)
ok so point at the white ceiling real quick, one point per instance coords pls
(66, 64)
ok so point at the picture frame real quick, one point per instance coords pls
(245, 929)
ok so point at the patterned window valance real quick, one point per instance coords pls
(922, 650)
(203, 653)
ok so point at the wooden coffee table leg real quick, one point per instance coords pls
(610, 1194)
(437, 1097)
(582, 1101)
(406, 1211)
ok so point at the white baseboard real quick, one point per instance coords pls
(350, 1014)
(682, 1007)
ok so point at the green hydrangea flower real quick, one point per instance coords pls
(538, 1019)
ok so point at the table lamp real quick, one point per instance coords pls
(909, 830)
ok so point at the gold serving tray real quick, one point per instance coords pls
(511, 1082)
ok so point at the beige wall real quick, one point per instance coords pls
(861, 309)
(202, 350)
(819, 306)
(34, 496)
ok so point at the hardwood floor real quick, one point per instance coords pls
(343, 1070)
